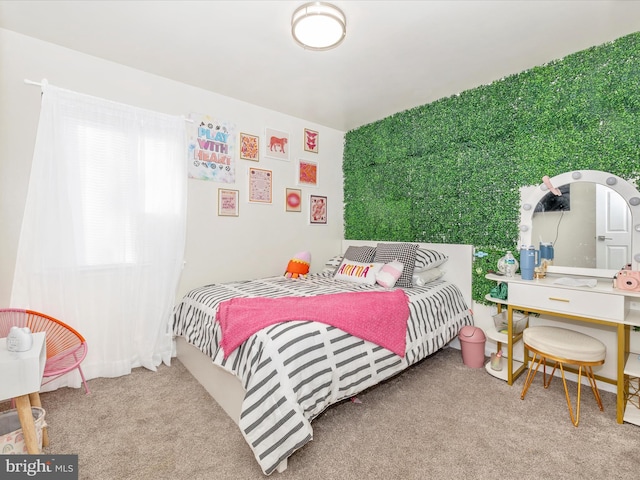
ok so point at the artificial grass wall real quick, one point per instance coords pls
(450, 171)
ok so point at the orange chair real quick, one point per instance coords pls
(66, 348)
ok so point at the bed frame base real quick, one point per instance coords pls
(225, 388)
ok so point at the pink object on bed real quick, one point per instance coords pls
(378, 317)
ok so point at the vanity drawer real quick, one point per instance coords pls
(582, 303)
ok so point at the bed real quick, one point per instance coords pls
(274, 383)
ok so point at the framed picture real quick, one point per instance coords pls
(228, 205)
(249, 147)
(260, 185)
(277, 144)
(317, 210)
(307, 173)
(293, 200)
(310, 141)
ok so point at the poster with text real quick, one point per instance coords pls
(211, 149)
(228, 203)
(260, 185)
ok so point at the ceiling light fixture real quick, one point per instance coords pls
(318, 26)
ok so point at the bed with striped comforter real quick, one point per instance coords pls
(293, 371)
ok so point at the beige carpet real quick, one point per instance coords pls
(438, 420)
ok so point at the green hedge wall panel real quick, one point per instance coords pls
(450, 171)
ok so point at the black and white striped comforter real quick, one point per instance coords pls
(293, 371)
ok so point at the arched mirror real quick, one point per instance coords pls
(594, 225)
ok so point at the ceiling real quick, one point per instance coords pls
(396, 55)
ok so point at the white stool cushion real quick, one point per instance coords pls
(564, 343)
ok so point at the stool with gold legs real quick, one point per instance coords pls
(563, 346)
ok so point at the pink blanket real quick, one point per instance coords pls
(378, 317)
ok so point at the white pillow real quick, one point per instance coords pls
(422, 278)
(389, 274)
(357, 272)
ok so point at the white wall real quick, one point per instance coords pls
(258, 243)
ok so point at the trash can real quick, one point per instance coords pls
(472, 342)
(11, 436)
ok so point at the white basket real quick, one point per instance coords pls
(500, 321)
(11, 436)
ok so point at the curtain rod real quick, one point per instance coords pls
(44, 82)
(37, 84)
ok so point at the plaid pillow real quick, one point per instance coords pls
(405, 253)
(426, 259)
(360, 254)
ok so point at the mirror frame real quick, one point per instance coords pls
(627, 190)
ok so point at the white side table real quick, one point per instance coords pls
(20, 379)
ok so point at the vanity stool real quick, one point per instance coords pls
(563, 346)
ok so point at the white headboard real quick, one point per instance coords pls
(457, 269)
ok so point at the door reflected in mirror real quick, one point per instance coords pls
(591, 228)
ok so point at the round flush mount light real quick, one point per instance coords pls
(318, 26)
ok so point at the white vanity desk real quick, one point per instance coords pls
(603, 305)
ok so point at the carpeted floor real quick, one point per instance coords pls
(438, 420)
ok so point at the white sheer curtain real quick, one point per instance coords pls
(102, 240)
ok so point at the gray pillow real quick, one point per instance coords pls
(360, 254)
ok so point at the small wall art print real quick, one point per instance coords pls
(277, 144)
(249, 147)
(260, 185)
(310, 140)
(211, 149)
(317, 210)
(293, 200)
(307, 173)
(228, 205)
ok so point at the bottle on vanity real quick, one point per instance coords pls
(509, 264)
